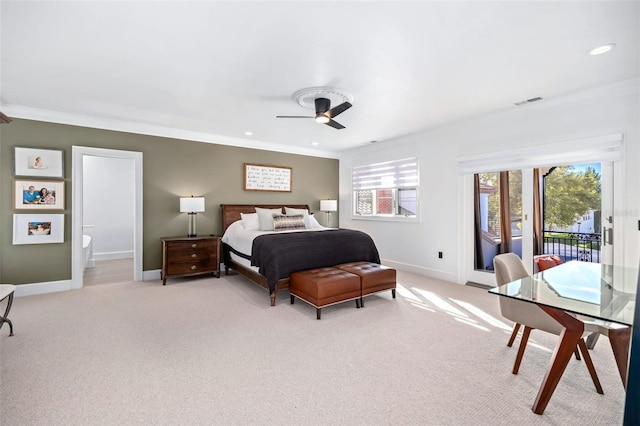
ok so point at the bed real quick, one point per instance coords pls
(275, 256)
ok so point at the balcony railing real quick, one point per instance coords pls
(573, 245)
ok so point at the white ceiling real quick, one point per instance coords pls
(212, 70)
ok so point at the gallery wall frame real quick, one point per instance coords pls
(38, 194)
(38, 228)
(261, 177)
(38, 162)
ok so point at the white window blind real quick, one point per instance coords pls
(390, 174)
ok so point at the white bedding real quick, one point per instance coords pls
(241, 239)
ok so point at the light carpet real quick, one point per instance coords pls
(212, 351)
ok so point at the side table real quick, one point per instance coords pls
(183, 256)
(6, 291)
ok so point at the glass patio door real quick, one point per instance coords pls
(577, 208)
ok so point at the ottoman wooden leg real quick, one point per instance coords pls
(292, 299)
(318, 313)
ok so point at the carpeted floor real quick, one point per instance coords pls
(212, 351)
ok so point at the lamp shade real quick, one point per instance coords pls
(328, 205)
(191, 204)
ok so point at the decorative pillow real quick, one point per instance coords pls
(288, 222)
(250, 221)
(290, 211)
(265, 218)
(545, 263)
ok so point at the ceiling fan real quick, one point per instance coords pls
(324, 113)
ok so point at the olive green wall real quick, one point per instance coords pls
(171, 168)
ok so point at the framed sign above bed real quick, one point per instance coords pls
(259, 177)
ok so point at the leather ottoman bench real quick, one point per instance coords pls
(374, 278)
(322, 287)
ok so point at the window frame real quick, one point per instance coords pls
(395, 190)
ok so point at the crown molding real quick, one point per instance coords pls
(49, 116)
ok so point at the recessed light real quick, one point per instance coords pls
(315, 143)
(248, 133)
(599, 50)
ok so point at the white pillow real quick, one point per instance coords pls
(313, 222)
(250, 221)
(265, 218)
(290, 211)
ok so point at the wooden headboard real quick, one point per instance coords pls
(231, 212)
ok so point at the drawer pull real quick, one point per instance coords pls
(194, 267)
(194, 255)
(194, 245)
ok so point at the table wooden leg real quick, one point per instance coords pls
(619, 339)
(563, 352)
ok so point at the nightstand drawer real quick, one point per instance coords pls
(181, 268)
(189, 255)
(188, 246)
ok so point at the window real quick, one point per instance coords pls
(388, 189)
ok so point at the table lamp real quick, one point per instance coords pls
(192, 206)
(328, 206)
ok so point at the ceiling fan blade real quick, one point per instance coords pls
(335, 124)
(339, 109)
(294, 116)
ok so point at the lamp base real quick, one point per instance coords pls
(192, 225)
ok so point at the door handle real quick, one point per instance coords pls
(607, 236)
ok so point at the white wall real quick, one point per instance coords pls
(414, 246)
(108, 203)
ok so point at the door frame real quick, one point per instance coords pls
(78, 153)
(578, 151)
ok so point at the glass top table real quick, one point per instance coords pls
(595, 290)
(604, 292)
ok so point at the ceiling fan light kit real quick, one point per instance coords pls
(320, 99)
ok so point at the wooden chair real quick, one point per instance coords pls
(509, 267)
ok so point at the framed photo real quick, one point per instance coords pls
(38, 162)
(258, 177)
(38, 194)
(38, 228)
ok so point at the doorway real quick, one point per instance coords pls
(605, 149)
(573, 220)
(79, 155)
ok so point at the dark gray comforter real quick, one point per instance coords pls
(279, 255)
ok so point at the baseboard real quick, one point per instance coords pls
(421, 270)
(151, 275)
(42, 288)
(65, 285)
(114, 255)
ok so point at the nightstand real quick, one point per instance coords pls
(183, 256)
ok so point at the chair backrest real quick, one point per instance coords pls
(508, 267)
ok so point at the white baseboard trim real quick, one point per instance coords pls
(114, 255)
(421, 270)
(65, 285)
(151, 275)
(42, 288)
